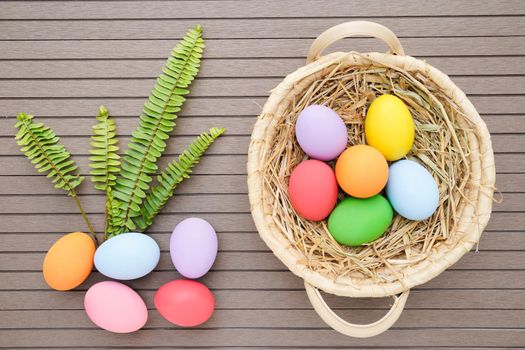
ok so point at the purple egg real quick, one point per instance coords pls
(193, 247)
(321, 133)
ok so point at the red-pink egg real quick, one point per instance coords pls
(313, 189)
(185, 303)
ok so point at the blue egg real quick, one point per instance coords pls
(411, 190)
(127, 256)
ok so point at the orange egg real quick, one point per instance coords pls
(361, 171)
(69, 261)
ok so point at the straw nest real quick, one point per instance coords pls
(441, 145)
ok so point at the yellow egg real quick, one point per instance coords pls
(389, 127)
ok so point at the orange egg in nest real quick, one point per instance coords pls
(361, 171)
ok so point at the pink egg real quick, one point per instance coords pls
(321, 133)
(115, 307)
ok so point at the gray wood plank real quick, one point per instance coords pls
(284, 348)
(252, 337)
(279, 347)
(227, 144)
(231, 106)
(219, 68)
(200, 203)
(38, 185)
(231, 9)
(249, 48)
(185, 125)
(222, 222)
(491, 242)
(253, 28)
(216, 87)
(261, 279)
(37, 243)
(182, 203)
(81, 126)
(222, 164)
(485, 299)
(504, 123)
(71, 319)
(219, 164)
(241, 257)
(74, 222)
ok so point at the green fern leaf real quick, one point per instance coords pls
(41, 146)
(113, 222)
(175, 173)
(148, 141)
(104, 160)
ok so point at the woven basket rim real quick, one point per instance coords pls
(474, 217)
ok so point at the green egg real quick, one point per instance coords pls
(356, 221)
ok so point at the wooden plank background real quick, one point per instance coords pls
(60, 60)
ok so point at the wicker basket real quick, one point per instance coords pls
(470, 212)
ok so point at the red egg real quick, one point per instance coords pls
(313, 189)
(185, 303)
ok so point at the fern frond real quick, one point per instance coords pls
(41, 146)
(175, 173)
(148, 141)
(104, 160)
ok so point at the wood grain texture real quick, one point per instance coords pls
(230, 68)
(252, 28)
(259, 48)
(230, 144)
(228, 277)
(200, 184)
(420, 299)
(222, 164)
(203, 106)
(61, 60)
(253, 9)
(213, 87)
(290, 318)
(493, 247)
(235, 253)
(272, 337)
(182, 203)
(223, 222)
(242, 125)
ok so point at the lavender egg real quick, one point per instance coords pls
(193, 247)
(321, 133)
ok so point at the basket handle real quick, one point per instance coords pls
(350, 329)
(354, 28)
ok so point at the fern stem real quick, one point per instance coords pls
(107, 183)
(77, 201)
(106, 219)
